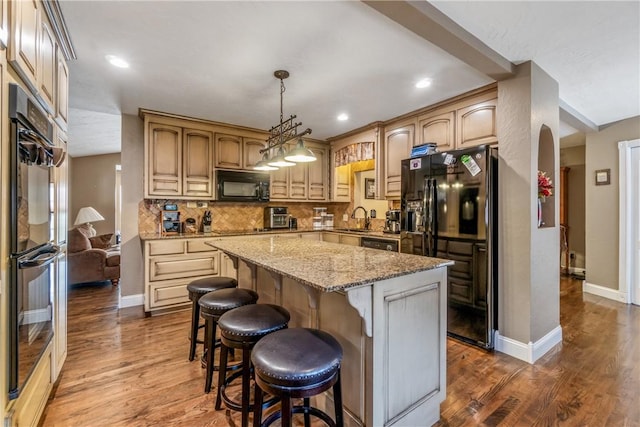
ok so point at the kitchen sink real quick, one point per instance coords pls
(355, 230)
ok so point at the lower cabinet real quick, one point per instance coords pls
(170, 265)
(467, 277)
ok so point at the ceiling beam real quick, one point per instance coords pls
(576, 120)
(425, 20)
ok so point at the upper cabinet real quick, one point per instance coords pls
(304, 181)
(178, 161)
(238, 152)
(398, 141)
(32, 50)
(476, 124)
(4, 22)
(439, 127)
(62, 92)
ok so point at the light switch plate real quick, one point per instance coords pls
(192, 205)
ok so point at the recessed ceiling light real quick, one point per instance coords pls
(423, 83)
(342, 117)
(117, 62)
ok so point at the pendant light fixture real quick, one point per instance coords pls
(282, 133)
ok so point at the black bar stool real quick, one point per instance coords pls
(213, 305)
(241, 328)
(197, 289)
(297, 363)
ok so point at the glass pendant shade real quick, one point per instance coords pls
(279, 160)
(263, 165)
(300, 154)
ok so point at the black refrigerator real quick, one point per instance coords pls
(449, 210)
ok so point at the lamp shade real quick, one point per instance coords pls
(300, 154)
(87, 214)
(279, 161)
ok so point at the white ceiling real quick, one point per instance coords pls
(215, 60)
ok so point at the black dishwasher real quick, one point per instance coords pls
(383, 244)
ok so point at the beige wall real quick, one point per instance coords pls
(528, 260)
(131, 265)
(92, 182)
(602, 202)
(574, 158)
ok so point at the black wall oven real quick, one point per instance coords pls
(31, 247)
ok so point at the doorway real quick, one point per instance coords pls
(629, 265)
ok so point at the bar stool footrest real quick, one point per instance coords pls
(300, 410)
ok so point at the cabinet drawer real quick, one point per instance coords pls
(200, 245)
(460, 290)
(166, 247)
(174, 268)
(161, 295)
(461, 248)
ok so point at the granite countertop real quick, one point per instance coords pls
(326, 266)
(225, 233)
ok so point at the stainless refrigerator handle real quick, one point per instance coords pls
(429, 217)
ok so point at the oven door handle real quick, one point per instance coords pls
(40, 259)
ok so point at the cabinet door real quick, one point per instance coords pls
(228, 151)
(279, 184)
(318, 181)
(331, 237)
(4, 22)
(398, 143)
(62, 92)
(61, 192)
(60, 316)
(438, 128)
(48, 66)
(347, 239)
(197, 179)
(476, 124)
(227, 269)
(342, 184)
(251, 152)
(23, 52)
(164, 171)
(298, 178)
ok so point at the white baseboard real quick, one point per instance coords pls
(604, 292)
(580, 271)
(131, 300)
(528, 352)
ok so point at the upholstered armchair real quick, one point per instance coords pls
(92, 259)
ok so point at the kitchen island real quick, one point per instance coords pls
(387, 310)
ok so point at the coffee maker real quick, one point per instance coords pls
(392, 222)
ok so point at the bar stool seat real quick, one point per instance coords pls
(242, 328)
(297, 363)
(213, 305)
(197, 288)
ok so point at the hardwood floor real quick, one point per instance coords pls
(124, 369)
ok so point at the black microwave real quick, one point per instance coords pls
(235, 186)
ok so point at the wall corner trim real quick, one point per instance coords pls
(603, 291)
(528, 352)
(130, 300)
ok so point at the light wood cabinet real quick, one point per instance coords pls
(59, 352)
(4, 22)
(342, 238)
(62, 92)
(170, 265)
(197, 164)
(438, 127)
(23, 50)
(48, 65)
(237, 152)
(164, 157)
(179, 162)
(32, 50)
(398, 142)
(304, 181)
(341, 184)
(476, 124)
(318, 175)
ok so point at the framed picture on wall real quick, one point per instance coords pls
(369, 188)
(603, 177)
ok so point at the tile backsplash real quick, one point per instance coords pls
(246, 216)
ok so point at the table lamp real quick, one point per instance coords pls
(85, 217)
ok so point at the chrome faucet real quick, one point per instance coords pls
(367, 221)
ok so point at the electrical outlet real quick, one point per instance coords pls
(345, 217)
(572, 255)
(203, 204)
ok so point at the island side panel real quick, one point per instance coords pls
(331, 312)
(409, 349)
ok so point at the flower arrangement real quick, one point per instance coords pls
(544, 185)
